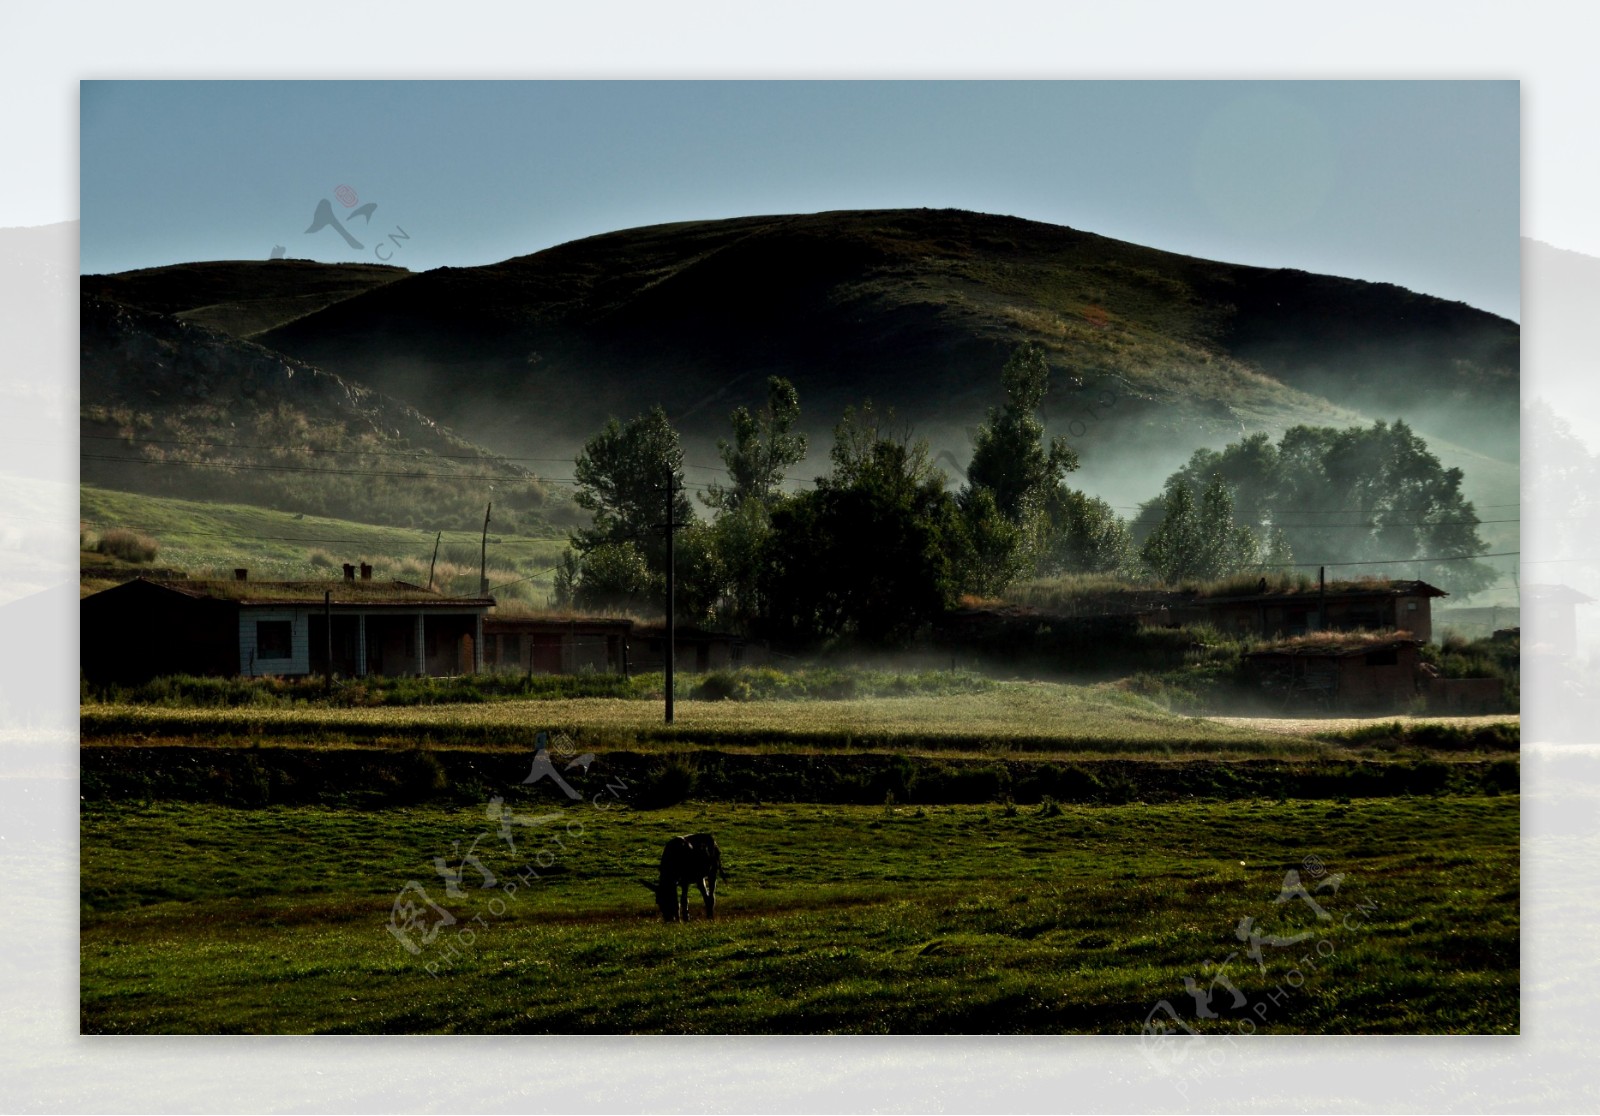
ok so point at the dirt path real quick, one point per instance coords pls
(1304, 726)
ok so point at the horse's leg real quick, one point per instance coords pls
(683, 900)
(709, 894)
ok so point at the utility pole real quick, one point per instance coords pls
(483, 555)
(672, 612)
(1322, 598)
(434, 560)
(327, 623)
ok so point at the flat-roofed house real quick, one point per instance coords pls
(1375, 605)
(695, 650)
(1346, 672)
(143, 629)
(552, 645)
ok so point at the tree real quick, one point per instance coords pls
(764, 447)
(1009, 454)
(1361, 494)
(994, 551)
(1011, 477)
(1086, 536)
(568, 573)
(1199, 542)
(615, 577)
(621, 478)
(1170, 550)
(866, 556)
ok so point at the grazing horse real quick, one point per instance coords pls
(693, 859)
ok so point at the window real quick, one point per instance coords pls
(274, 639)
(1383, 658)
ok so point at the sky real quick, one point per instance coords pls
(1413, 183)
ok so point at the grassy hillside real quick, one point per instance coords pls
(916, 308)
(202, 537)
(173, 408)
(240, 297)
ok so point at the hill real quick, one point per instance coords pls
(175, 408)
(1154, 354)
(917, 309)
(240, 297)
(212, 538)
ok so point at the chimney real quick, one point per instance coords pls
(349, 572)
(240, 575)
(366, 572)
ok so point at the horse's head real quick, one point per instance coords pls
(666, 898)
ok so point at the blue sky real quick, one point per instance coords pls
(1415, 183)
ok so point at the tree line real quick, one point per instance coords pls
(881, 545)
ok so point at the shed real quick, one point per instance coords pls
(697, 650)
(1371, 605)
(556, 645)
(1341, 671)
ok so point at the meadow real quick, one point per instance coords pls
(214, 538)
(1054, 717)
(202, 918)
(938, 853)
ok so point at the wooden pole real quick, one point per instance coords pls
(434, 560)
(327, 622)
(483, 555)
(671, 603)
(1322, 598)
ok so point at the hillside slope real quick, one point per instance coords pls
(240, 297)
(175, 408)
(917, 309)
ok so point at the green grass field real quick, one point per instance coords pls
(1023, 715)
(977, 919)
(202, 536)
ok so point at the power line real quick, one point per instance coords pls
(1154, 503)
(1423, 523)
(1387, 561)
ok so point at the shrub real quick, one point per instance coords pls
(129, 546)
(668, 784)
(418, 776)
(722, 686)
(1504, 776)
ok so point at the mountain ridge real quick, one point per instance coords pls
(915, 309)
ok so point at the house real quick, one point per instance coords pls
(143, 629)
(1347, 672)
(1479, 621)
(1372, 605)
(696, 650)
(551, 645)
